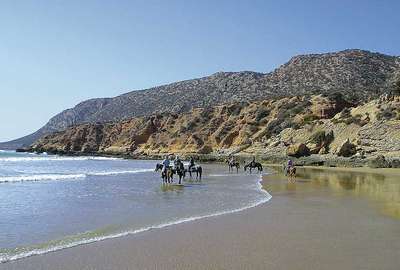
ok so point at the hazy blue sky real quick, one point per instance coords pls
(54, 54)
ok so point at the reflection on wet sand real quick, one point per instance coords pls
(380, 188)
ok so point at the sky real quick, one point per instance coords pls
(55, 54)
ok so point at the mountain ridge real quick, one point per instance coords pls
(358, 73)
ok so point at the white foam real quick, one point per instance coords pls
(40, 251)
(39, 177)
(227, 175)
(44, 177)
(53, 158)
(121, 172)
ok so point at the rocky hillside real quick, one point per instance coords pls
(356, 73)
(323, 125)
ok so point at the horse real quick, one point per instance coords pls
(232, 164)
(195, 169)
(291, 172)
(253, 165)
(180, 171)
(167, 175)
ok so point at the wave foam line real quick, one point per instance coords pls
(120, 172)
(7, 258)
(55, 158)
(39, 177)
(43, 177)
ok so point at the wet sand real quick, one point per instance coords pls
(327, 219)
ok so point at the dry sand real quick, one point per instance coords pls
(306, 225)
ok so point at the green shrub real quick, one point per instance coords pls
(261, 113)
(388, 113)
(308, 118)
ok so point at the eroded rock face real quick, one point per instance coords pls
(298, 150)
(347, 149)
(325, 108)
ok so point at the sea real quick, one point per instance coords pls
(50, 202)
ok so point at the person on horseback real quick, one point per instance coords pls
(289, 165)
(253, 162)
(166, 163)
(191, 163)
(177, 162)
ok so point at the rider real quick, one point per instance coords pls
(289, 165)
(191, 163)
(253, 162)
(177, 162)
(165, 163)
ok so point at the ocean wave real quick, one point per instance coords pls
(53, 158)
(61, 244)
(39, 177)
(46, 177)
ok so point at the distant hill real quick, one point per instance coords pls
(359, 75)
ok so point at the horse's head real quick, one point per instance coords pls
(158, 167)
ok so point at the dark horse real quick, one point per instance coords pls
(166, 176)
(232, 164)
(195, 169)
(291, 172)
(180, 171)
(253, 165)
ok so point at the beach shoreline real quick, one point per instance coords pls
(299, 228)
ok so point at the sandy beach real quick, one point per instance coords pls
(318, 222)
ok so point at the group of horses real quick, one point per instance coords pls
(180, 170)
(250, 166)
(290, 172)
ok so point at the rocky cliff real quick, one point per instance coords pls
(357, 74)
(323, 125)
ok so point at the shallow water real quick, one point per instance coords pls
(50, 202)
(378, 188)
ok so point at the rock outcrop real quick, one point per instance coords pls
(298, 150)
(347, 149)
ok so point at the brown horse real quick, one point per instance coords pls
(291, 173)
(167, 175)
